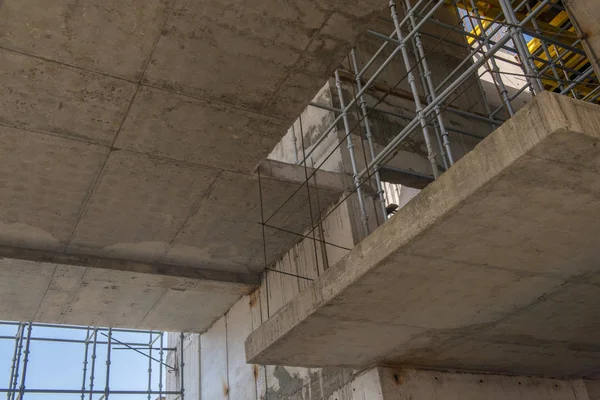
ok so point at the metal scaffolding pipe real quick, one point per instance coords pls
(560, 56)
(370, 81)
(493, 70)
(160, 375)
(363, 212)
(150, 366)
(25, 362)
(14, 366)
(91, 392)
(368, 133)
(107, 386)
(415, 91)
(516, 33)
(586, 74)
(181, 365)
(85, 362)
(545, 49)
(21, 355)
(407, 118)
(93, 368)
(444, 95)
(430, 87)
(421, 73)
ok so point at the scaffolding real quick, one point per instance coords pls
(537, 38)
(97, 346)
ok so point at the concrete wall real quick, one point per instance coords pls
(307, 129)
(225, 375)
(223, 372)
(392, 384)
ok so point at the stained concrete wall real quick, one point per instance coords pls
(224, 374)
(392, 384)
(220, 373)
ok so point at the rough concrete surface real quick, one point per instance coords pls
(492, 267)
(133, 130)
(399, 384)
(66, 294)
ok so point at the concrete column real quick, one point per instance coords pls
(585, 15)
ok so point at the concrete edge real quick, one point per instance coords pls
(281, 171)
(87, 261)
(547, 114)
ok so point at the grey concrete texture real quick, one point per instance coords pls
(68, 294)
(261, 54)
(491, 268)
(132, 130)
(403, 384)
(150, 209)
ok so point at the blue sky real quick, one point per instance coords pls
(54, 365)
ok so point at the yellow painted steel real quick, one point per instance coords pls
(549, 22)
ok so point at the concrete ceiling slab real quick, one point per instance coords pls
(212, 56)
(45, 181)
(58, 293)
(62, 289)
(99, 303)
(496, 261)
(196, 131)
(111, 36)
(18, 277)
(162, 193)
(192, 310)
(175, 95)
(225, 230)
(235, 51)
(475, 354)
(49, 97)
(566, 311)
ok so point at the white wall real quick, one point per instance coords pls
(191, 368)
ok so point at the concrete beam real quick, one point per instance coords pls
(292, 173)
(493, 267)
(82, 260)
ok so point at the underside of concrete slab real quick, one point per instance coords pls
(493, 267)
(75, 295)
(133, 130)
(188, 286)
